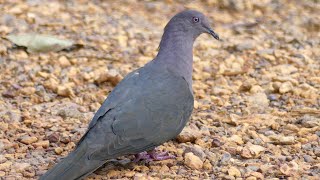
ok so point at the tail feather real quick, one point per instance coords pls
(75, 166)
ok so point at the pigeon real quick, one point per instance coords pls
(150, 106)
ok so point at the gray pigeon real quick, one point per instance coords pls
(150, 106)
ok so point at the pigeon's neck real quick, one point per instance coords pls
(175, 52)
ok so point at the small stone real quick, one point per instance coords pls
(285, 169)
(225, 158)
(54, 137)
(254, 175)
(2, 173)
(28, 140)
(2, 158)
(4, 126)
(285, 87)
(246, 153)
(233, 171)
(113, 173)
(251, 178)
(216, 142)
(65, 91)
(164, 168)
(63, 61)
(44, 144)
(5, 166)
(256, 150)
(284, 69)
(272, 97)
(111, 76)
(258, 101)
(51, 84)
(68, 109)
(65, 139)
(310, 121)
(58, 150)
(192, 161)
(308, 158)
(237, 139)
(196, 150)
(28, 90)
(282, 140)
(245, 45)
(8, 94)
(256, 89)
(189, 134)
(317, 151)
(20, 167)
(207, 165)
(129, 174)
(218, 91)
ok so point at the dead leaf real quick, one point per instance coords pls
(40, 43)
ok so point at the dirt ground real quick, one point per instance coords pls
(257, 92)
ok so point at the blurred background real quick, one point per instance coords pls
(257, 92)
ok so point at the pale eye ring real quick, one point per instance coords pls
(195, 19)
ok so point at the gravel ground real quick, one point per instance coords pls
(257, 93)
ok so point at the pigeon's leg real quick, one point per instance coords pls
(159, 156)
(152, 156)
(141, 156)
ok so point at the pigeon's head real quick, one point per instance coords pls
(193, 22)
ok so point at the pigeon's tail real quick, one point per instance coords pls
(75, 166)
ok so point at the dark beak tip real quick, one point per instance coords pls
(215, 35)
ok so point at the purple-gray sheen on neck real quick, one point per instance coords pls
(175, 50)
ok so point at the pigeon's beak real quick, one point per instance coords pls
(212, 33)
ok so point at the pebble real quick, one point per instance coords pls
(225, 158)
(207, 165)
(64, 62)
(258, 101)
(196, 150)
(28, 90)
(272, 97)
(129, 174)
(5, 166)
(189, 134)
(237, 139)
(216, 142)
(28, 139)
(58, 150)
(111, 76)
(308, 158)
(233, 171)
(65, 91)
(54, 137)
(310, 121)
(44, 144)
(20, 167)
(192, 161)
(285, 87)
(282, 140)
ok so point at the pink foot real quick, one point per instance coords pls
(160, 156)
(152, 156)
(141, 156)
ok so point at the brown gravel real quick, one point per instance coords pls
(257, 93)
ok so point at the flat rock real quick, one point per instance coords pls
(189, 134)
(192, 161)
(28, 139)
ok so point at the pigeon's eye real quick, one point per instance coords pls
(195, 19)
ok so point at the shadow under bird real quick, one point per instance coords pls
(150, 106)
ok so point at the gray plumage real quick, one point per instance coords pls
(150, 106)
